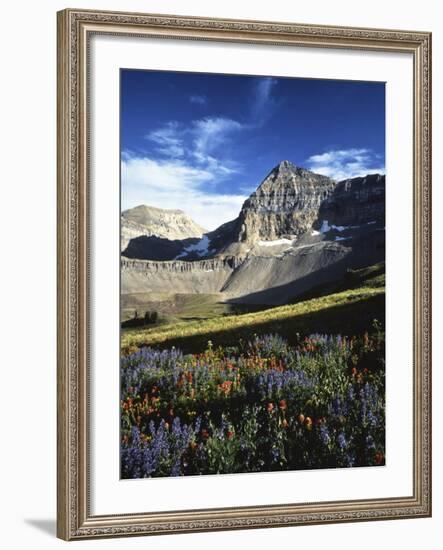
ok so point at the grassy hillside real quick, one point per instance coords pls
(173, 308)
(346, 307)
(347, 312)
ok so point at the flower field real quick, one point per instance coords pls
(261, 405)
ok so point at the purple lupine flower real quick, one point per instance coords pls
(350, 459)
(341, 440)
(275, 454)
(324, 434)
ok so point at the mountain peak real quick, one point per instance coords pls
(159, 222)
(286, 169)
(285, 166)
(285, 203)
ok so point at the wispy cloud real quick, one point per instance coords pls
(168, 140)
(198, 99)
(346, 163)
(186, 162)
(176, 184)
(202, 142)
(263, 102)
(209, 135)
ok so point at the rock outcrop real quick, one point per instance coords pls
(150, 221)
(355, 201)
(204, 276)
(286, 203)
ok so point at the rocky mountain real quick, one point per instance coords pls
(150, 221)
(286, 203)
(296, 231)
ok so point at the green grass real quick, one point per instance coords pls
(348, 306)
(173, 308)
(347, 312)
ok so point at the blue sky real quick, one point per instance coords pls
(203, 142)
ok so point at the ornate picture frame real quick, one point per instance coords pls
(75, 518)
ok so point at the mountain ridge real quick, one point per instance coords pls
(288, 203)
(144, 220)
(296, 230)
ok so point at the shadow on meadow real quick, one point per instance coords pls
(351, 318)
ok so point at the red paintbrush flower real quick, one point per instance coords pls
(379, 457)
(282, 404)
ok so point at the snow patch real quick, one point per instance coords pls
(342, 238)
(276, 242)
(201, 248)
(325, 227)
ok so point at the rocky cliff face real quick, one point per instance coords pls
(204, 276)
(285, 204)
(355, 202)
(150, 221)
(178, 266)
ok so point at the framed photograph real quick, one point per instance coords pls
(243, 274)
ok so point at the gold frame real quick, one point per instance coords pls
(74, 520)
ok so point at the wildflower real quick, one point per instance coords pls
(284, 423)
(230, 434)
(324, 435)
(379, 458)
(275, 453)
(308, 423)
(225, 386)
(282, 405)
(270, 407)
(135, 432)
(301, 418)
(205, 433)
(341, 440)
(350, 459)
